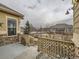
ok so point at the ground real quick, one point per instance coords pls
(30, 53)
(18, 51)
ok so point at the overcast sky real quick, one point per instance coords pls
(41, 12)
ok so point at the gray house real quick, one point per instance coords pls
(61, 28)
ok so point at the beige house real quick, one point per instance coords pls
(9, 21)
(76, 26)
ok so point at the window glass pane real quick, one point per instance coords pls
(11, 27)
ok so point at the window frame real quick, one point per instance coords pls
(12, 18)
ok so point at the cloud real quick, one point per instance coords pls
(40, 14)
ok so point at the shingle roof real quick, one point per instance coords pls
(61, 26)
(6, 9)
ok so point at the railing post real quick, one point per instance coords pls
(76, 53)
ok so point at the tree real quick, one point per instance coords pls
(27, 28)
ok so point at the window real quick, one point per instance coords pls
(11, 27)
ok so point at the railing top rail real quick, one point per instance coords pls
(56, 40)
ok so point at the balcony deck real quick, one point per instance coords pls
(57, 45)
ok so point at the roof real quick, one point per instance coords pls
(8, 10)
(62, 26)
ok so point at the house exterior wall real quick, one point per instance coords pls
(76, 19)
(76, 28)
(76, 24)
(4, 18)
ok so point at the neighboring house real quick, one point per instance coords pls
(61, 28)
(58, 28)
(9, 21)
(44, 30)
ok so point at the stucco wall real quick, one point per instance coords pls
(3, 20)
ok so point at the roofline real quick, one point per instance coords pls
(6, 9)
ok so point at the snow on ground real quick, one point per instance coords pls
(31, 53)
(18, 51)
(11, 51)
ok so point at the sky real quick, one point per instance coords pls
(41, 12)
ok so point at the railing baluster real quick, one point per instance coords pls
(57, 47)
